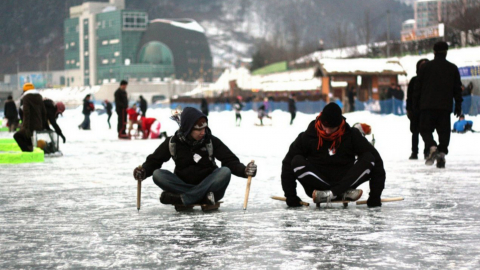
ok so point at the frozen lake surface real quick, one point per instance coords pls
(79, 211)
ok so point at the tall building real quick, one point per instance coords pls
(105, 43)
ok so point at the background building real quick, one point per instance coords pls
(105, 44)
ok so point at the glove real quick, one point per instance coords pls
(374, 201)
(251, 169)
(458, 110)
(63, 137)
(293, 201)
(139, 173)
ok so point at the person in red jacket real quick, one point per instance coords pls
(132, 117)
(151, 128)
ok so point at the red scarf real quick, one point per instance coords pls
(336, 136)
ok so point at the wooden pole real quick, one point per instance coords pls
(285, 199)
(249, 182)
(396, 199)
(139, 194)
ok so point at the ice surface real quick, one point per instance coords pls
(79, 211)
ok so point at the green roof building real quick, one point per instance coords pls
(105, 44)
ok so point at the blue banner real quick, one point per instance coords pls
(468, 72)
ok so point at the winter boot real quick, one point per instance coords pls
(352, 195)
(209, 199)
(321, 196)
(441, 160)
(413, 156)
(432, 156)
(170, 198)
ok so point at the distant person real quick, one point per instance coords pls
(34, 117)
(150, 128)
(438, 83)
(11, 114)
(88, 108)
(414, 116)
(292, 107)
(143, 106)
(263, 111)
(132, 118)
(467, 98)
(121, 105)
(204, 106)
(53, 110)
(399, 96)
(238, 106)
(389, 98)
(108, 109)
(331, 160)
(462, 125)
(351, 93)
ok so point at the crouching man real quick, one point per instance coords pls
(331, 159)
(196, 178)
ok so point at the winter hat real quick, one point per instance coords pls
(60, 107)
(28, 86)
(365, 129)
(440, 47)
(331, 115)
(201, 123)
(189, 118)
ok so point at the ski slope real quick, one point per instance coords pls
(79, 211)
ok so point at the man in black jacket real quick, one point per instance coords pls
(196, 178)
(143, 106)
(11, 113)
(414, 115)
(53, 110)
(292, 107)
(331, 159)
(121, 105)
(438, 83)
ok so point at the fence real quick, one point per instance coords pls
(470, 106)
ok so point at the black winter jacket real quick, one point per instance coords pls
(34, 113)
(86, 107)
(410, 95)
(121, 100)
(186, 168)
(438, 83)
(292, 107)
(51, 116)
(333, 167)
(10, 110)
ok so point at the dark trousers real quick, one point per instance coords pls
(439, 120)
(23, 140)
(217, 182)
(293, 115)
(108, 119)
(312, 178)
(144, 113)
(122, 121)
(352, 105)
(86, 122)
(415, 129)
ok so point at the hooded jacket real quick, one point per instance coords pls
(333, 167)
(188, 167)
(51, 116)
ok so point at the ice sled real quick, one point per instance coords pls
(205, 207)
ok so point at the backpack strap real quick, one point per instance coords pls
(209, 147)
(172, 146)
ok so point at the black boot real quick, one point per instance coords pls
(209, 199)
(413, 156)
(170, 198)
(441, 160)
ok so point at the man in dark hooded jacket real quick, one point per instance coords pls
(196, 178)
(331, 159)
(53, 110)
(437, 85)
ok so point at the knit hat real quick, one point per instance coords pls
(365, 129)
(201, 123)
(28, 86)
(331, 115)
(60, 107)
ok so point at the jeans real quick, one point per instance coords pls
(217, 182)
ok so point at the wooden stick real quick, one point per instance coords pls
(139, 194)
(249, 182)
(396, 199)
(285, 199)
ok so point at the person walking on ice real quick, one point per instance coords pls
(196, 178)
(330, 160)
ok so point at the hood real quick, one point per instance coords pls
(188, 118)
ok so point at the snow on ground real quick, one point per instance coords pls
(79, 211)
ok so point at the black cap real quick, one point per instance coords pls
(123, 82)
(331, 115)
(440, 47)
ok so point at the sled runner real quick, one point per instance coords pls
(205, 207)
(345, 203)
